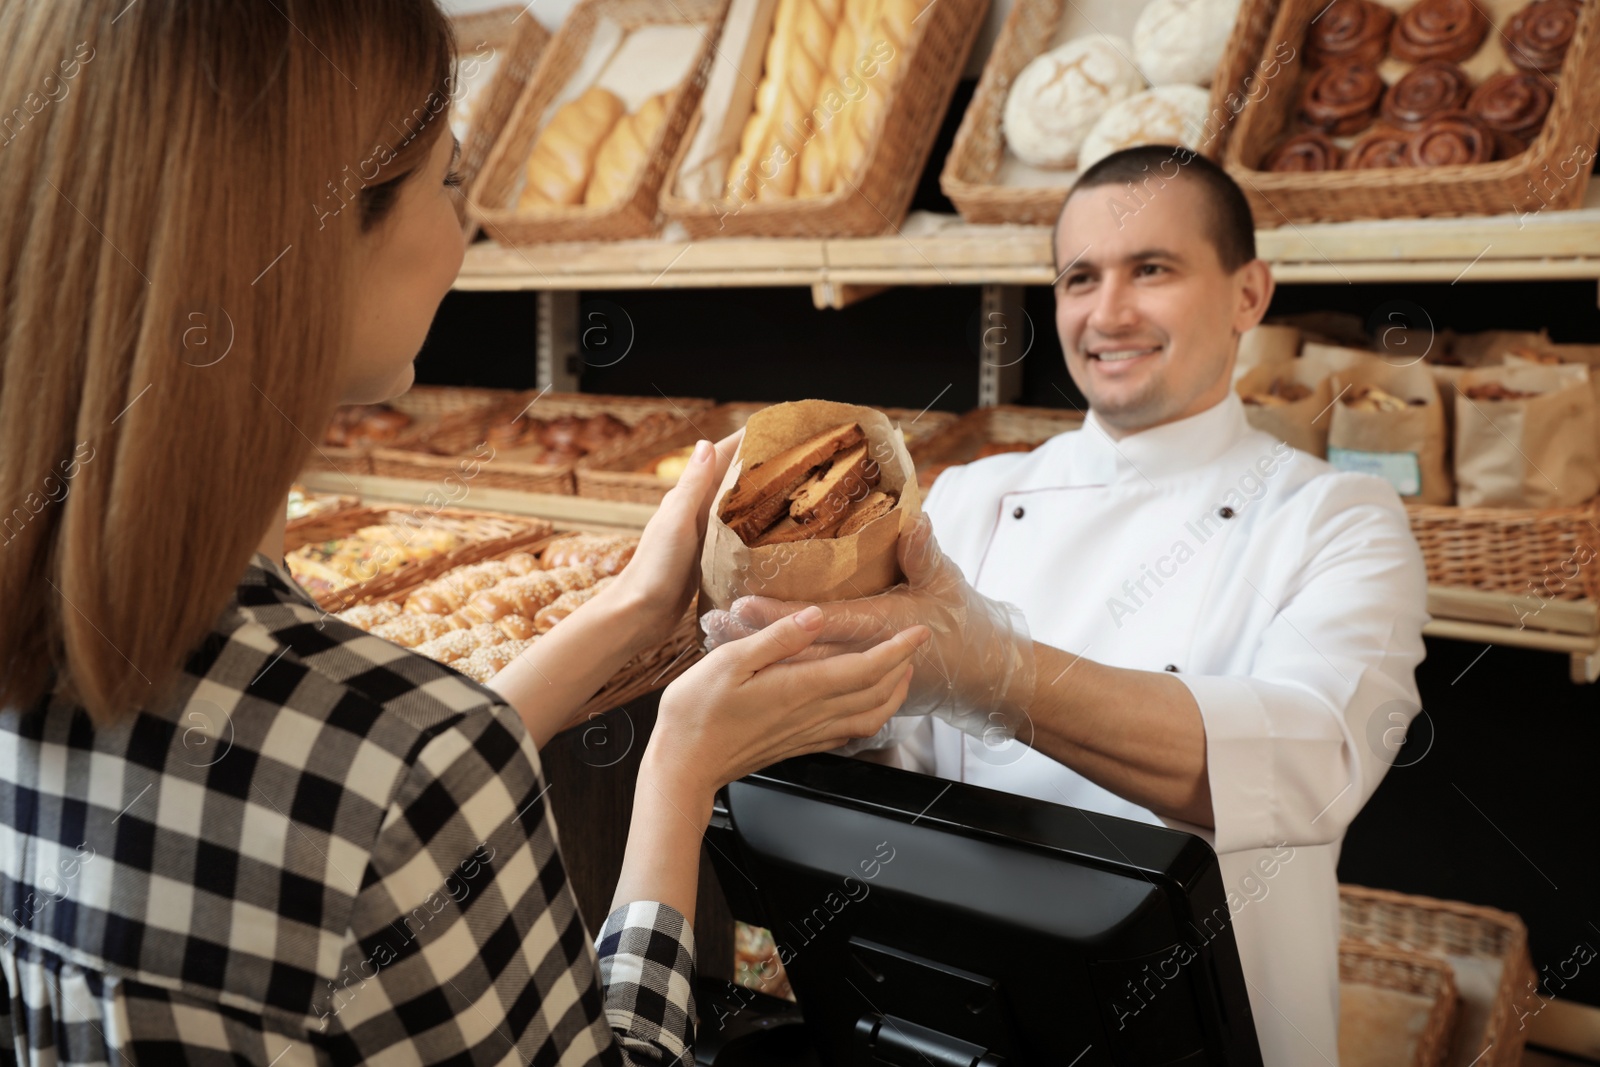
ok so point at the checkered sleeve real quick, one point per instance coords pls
(647, 970)
(466, 945)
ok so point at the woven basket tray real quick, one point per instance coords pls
(1392, 1003)
(496, 534)
(1487, 950)
(614, 474)
(971, 171)
(431, 407)
(490, 200)
(1500, 549)
(441, 456)
(960, 441)
(518, 39)
(1508, 185)
(645, 673)
(875, 198)
(327, 504)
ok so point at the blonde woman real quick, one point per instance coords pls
(233, 829)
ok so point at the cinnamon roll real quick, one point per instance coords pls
(1381, 146)
(1449, 138)
(1341, 98)
(1350, 30)
(1439, 29)
(1427, 89)
(1515, 102)
(1537, 36)
(1303, 152)
(1507, 145)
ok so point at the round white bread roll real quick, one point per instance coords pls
(1167, 114)
(1055, 100)
(1180, 42)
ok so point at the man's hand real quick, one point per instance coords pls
(979, 661)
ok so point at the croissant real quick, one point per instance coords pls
(563, 158)
(623, 155)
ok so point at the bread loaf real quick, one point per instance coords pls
(1167, 114)
(563, 157)
(624, 153)
(766, 165)
(873, 38)
(1180, 42)
(1057, 98)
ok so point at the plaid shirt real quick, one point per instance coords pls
(325, 849)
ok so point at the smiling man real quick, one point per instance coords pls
(1179, 619)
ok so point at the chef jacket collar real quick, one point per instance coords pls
(1173, 448)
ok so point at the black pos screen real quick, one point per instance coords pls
(926, 922)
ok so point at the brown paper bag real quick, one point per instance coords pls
(1303, 423)
(1587, 355)
(826, 569)
(1488, 348)
(1265, 344)
(1533, 452)
(1405, 448)
(1329, 358)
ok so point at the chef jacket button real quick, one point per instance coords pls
(1226, 513)
(1017, 514)
(1173, 667)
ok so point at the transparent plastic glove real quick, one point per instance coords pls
(977, 670)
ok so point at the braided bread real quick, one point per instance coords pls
(625, 151)
(563, 157)
(797, 57)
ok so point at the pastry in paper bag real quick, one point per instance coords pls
(811, 508)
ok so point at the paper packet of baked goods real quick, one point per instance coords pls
(1525, 436)
(860, 562)
(1265, 344)
(1290, 401)
(1388, 421)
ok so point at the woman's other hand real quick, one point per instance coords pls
(743, 708)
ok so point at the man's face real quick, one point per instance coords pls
(1148, 317)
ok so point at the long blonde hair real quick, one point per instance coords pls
(182, 185)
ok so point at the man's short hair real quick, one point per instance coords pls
(1146, 169)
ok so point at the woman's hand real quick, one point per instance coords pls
(742, 708)
(657, 585)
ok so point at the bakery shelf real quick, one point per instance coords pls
(934, 249)
(1571, 627)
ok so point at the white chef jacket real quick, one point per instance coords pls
(1287, 596)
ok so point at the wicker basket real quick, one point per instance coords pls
(496, 534)
(327, 504)
(1003, 424)
(1511, 550)
(1486, 948)
(645, 673)
(1379, 1023)
(633, 215)
(452, 450)
(971, 170)
(1494, 188)
(876, 201)
(431, 408)
(519, 39)
(614, 474)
